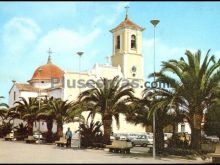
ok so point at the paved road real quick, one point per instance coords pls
(19, 152)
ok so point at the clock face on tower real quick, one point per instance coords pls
(134, 69)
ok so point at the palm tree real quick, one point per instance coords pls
(28, 110)
(197, 82)
(3, 110)
(107, 98)
(140, 112)
(59, 111)
(45, 114)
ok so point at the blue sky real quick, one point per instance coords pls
(28, 29)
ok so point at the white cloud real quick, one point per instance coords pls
(111, 19)
(163, 52)
(64, 42)
(18, 34)
(118, 10)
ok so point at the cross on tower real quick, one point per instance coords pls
(126, 9)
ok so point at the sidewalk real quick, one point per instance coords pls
(20, 152)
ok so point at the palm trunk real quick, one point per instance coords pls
(159, 137)
(30, 127)
(174, 128)
(196, 132)
(49, 130)
(107, 124)
(59, 129)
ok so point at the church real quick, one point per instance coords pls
(126, 62)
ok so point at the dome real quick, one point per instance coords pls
(47, 71)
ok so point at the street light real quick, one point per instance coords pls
(80, 55)
(154, 23)
(39, 71)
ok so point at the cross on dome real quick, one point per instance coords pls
(49, 57)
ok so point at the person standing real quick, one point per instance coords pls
(68, 137)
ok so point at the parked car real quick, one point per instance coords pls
(131, 136)
(112, 138)
(38, 135)
(213, 139)
(143, 140)
(121, 136)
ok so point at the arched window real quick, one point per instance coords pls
(118, 42)
(133, 42)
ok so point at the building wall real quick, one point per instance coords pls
(186, 127)
(11, 95)
(56, 93)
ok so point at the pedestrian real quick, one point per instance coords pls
(68, 137)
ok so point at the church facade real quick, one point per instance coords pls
(126, 62)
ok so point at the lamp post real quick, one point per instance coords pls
(39, 71)
(80, 55)
(154, 23)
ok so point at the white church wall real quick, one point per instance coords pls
(42, 126)
(56, 93)
(44, 85)
(12, 99)
(27, 94)
(106, 71)
(71, 91)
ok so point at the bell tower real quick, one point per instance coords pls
(127, 49)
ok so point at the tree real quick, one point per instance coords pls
(107, 98)
(59, 111)
(140, 112)
(90, 133)
(197, 82)
(28, 110)
(46, 114)
(212, 122)
(3, 110)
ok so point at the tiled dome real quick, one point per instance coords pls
(47, 71)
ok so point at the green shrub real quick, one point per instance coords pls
(179, 151)
(21, 129)
(90, 134)
(50, 137)
(176, 142)
(5, 129)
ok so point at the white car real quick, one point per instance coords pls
(112, 138)
(121, 136)
(143, 140)
(37, 135)
(214, 139)
(131, 136)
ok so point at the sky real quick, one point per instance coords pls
(29, 29)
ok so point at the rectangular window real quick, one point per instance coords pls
(118, 42)
(182, 127)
